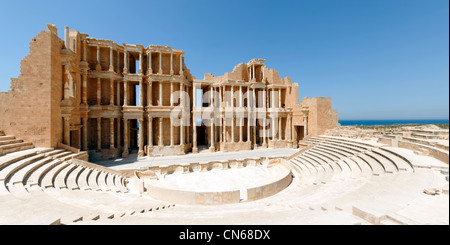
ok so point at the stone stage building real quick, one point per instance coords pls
(110, 99)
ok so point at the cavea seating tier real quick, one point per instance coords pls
(36, 183)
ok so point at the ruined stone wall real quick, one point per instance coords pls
(29, 109)
(321, 115)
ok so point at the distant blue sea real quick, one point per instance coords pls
(391, 122)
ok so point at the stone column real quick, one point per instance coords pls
(67, 85)
(305, 120)
(99, 133)
(305, 133)
(98, 67)
(279, 128)
(289, 121)
(111, 59)
(171, 93)
(264, 132)
(232, 117)
(172, 138)
(181, 132)
(182, 96)
(241, 119)
(141, 138)
(85, 133)
(84, 49)
(67, 130)
(182, 141)
(262, 70)
(84, 87)
(111, 133)
(274, 133)
(141, 70)
(220, 115)
(125, 61)
(194, 123)
(160, 102)
(66, 37)
(171, 63)
(181, 65)
(150, 132)
(111, 99)
(118, 93)
(240, 130)
(160, 139)
(150, 93)
(141, 92)
(279, 98)
(126, 132)
(149, 70)
(272, 98)
(212, 147)
(160, 71)
(254, 75)
(99, 93)
(194, 96)
(194, 136)
(118, 132)
(125, 93)
(248, 124)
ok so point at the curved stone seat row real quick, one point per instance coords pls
(41, 168)
(9, 144)
(390, 161)
(46, 186)
(333, 159)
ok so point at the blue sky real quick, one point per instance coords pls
(383, 59)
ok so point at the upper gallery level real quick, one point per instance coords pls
(254, 72)
(107, 56)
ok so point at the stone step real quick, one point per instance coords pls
(61, 177)
(7, 137)
(82, 179)
(33, 178)
(5, 149)
(11, 168)
(11, 141)
(47, 181)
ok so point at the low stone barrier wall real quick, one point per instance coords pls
(191, 197)
(434, 152)
(264, 191)
(144, 186)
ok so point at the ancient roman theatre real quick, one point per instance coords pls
(95, 132)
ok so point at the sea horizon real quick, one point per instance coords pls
(369, 122)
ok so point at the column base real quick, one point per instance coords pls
(149, 72)
(264, 145)
(212, 149)
(140, 153)
(125, 153)
(98, 67)
(171, 72)
(111, 68)
(194, 149)
(160, 71)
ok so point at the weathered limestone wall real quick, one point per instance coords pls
(321, 115)
(30, 110)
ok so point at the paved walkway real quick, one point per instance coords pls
(132, 162)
